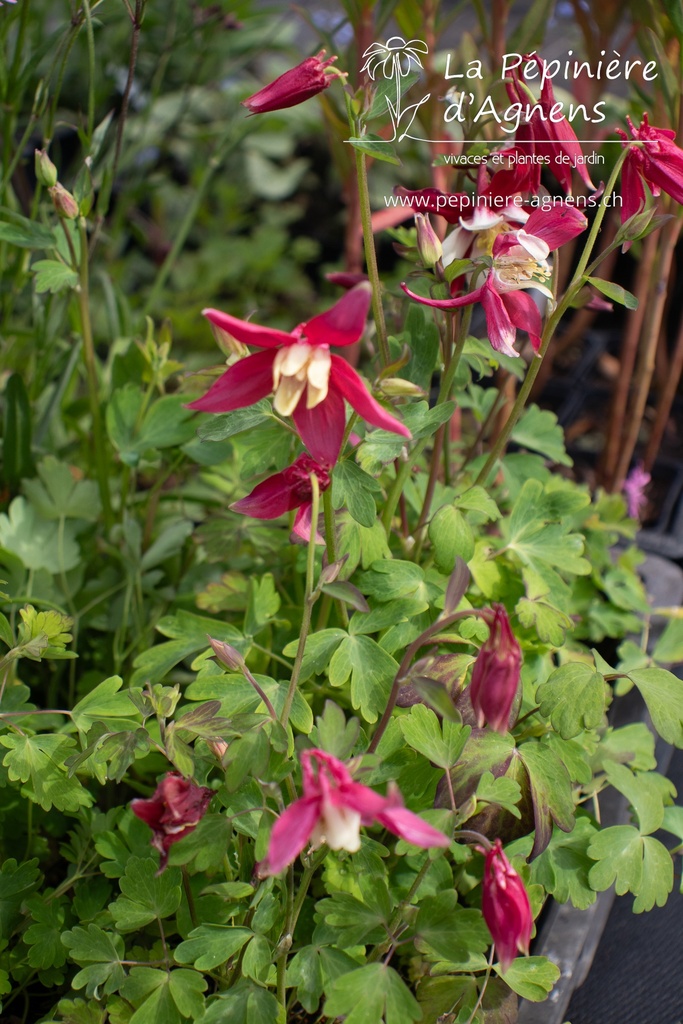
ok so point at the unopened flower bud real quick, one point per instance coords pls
(295, 86)
(505, 906)
(495, 676)
(46, 172)
(64, 203)
(227, 655)
(218, 747)
(392, 386)
(227, 343)
(428, 242)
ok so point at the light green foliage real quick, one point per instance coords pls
(39, 763)
(634, 863)
(146, 895)
(371, 994)
(121, 555)
(531, 977)
(441, 743)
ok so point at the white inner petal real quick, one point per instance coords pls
(300, 368)
(536, 247)
(340, 828)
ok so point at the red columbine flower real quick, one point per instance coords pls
(332, 809)
(284, 491)
(519, 262)
(550, 136)
(310, 383)
(175, 810)
(505, 906)
(296, 85)
(495, 676)
(657, 161)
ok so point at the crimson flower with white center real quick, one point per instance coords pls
(332, 809)
(519, 262)
(309, 383)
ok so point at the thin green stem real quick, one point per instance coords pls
(93, 384)
(371, 257)
(90, 35)
(424, 638)
(308, 600)
(577, 282)
(406, 467)
(228, 142)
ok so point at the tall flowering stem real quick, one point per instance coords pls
(91, 370)
(444, 393)
(308, 600)
(575, 285)
(371, 255)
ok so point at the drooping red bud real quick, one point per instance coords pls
(505, 906)
(495, 676)
(175, 809)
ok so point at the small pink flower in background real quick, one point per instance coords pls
(175, 810)
(332, 809)
(495, 676)
(310, 383)
(657, 161)
(295, 86)
(285, 491)
(634, 490)
(505, 906)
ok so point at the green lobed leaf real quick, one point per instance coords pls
(372, 671)
(227, 424)
(245, 1003)
(563, 867)
(669, 646)
(355, 489)
(539, 431)
(663, 694)
(312, 970)
(103, 951)
(25, 233)
(17, 882)
(37, 542)
(647, 793)
(146, 895)
(39, 763)
(104, 703)
(52, 275)
(451, 536)
(440, 742)
(574, 697)
(550, 623)
(210, 945)
(634, 863)
(371, 994)
(448, 932)
(551, 793)
(531, 977)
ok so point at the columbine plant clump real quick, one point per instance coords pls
(324, 715)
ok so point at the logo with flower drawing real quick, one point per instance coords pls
(394, 61)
